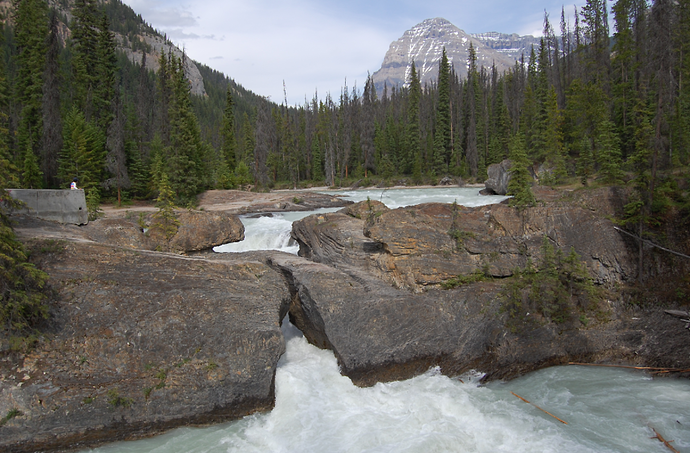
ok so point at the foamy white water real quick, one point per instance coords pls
(318, 410)
(273, 232)
(268, 232)
(397, 198)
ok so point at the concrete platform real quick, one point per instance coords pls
(64, 206)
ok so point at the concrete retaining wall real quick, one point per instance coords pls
(64, 206)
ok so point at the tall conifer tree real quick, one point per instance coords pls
(228, 131)
(442, 138)
(414, 154)
(31, 31)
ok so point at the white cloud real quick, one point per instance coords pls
(317, 44)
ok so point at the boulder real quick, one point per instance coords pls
(334, 239)
(499, 177)
(200, 230)
(197, 231)
(141, 342)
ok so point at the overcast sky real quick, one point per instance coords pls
(315, 45)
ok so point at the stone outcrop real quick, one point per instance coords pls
(198, 231)
(141, 342)
(242, 202)
(424, 245)
(499, 177)
(380, 333)
(204, 230)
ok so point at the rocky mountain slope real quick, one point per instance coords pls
(154, 43)
(424, 45)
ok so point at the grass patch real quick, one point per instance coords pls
(479, 275)
(12, 413)
(161, 376)
(115, 400)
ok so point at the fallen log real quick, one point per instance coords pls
(664, 441)
(630, 367)
(546, 412)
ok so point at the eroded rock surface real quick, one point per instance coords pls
(421, 246)
(141, 342)
(380, 333)
(197, 231)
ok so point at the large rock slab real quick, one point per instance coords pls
(422, 246)
(335, 238)
(380, 333)
(197, 231)
(141, 342)
(243, 202)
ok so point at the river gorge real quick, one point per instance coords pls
(450, 388)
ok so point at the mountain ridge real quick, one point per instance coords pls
(424, 45)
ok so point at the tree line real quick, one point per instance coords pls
(589, 103)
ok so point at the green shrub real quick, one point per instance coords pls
(23, 290)
(115, 400)
(558, 288)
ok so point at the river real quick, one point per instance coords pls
(318, 410)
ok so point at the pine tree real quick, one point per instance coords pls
(368, 127)
(520, 184)
(52, 120)
(316, 160)
(638, 210)
(185, 152)
(682, 107)
(9, 174)
(626, 64)
(596, 31)
(164, 220)
(414, 153)
(106, 67)
(85, 37)
(442, 138)
(83, 151)
(228, 132)
(32, 176)
(23, 288)
(553, 139)
(31, 31)
(93, 203)
(609, 153)
(243, 177)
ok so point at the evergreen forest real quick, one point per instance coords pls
(589, 106)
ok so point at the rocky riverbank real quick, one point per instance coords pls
(141, 341)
